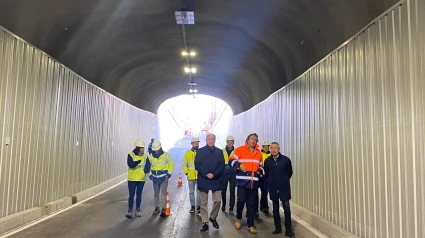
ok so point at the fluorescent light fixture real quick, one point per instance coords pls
(190, 70)
(185, 53)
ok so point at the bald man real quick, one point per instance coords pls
(209, 162)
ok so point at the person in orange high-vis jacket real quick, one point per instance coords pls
(248, 161)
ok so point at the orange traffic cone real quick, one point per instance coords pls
(180, 183)
(167, 206)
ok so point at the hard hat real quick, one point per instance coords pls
(139, 143)
(266, 143)
(156, 145)
(194, 139)
(230, 138)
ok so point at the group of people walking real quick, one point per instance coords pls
(243, 171)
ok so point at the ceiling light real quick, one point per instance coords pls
(185, 53)
(190, 70)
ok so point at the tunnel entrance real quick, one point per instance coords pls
(188, 115)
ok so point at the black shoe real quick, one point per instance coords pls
(289, 233)
(231, 211)
(214, 222)
(223, 209)
(192, 210)
(265, 210)
(277, 230)
(257, 215)
(204, 227)
(198, 210)
(156, 211)
(162, 213)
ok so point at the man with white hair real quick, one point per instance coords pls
(162, 166)
(209, 163)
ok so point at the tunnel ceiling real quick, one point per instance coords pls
(247, 49)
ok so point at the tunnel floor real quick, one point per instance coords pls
(103, 216)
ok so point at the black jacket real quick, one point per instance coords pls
(278, 174)
(209, 160)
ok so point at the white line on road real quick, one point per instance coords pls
(21, 228)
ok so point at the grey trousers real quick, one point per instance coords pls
(160, 188)
(193, 187)
(216, 197)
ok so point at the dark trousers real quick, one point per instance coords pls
(228, 179)
(276, 215)
(246, 195)
(264, 204)
(135, 187)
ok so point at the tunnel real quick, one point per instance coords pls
(340, 85)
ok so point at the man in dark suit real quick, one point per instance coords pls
(209, 162)
(278, 172)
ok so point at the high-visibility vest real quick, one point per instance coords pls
(137, 173)
(188, 165)
(265, 155)
(162, 165)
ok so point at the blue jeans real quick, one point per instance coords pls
(135, 187)
(193, 186)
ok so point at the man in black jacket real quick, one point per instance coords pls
(209, 162)
(278, 172)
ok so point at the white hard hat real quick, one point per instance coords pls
(194, 139)
(230, 138)
(266, 143)
(156, 145)
(139, 143)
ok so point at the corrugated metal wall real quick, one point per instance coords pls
(354, 128)
(66, 135)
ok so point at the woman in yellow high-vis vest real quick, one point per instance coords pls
(138, 166)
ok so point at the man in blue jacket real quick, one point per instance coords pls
(209, 162)
(278, 172)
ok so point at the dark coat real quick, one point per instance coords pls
(209, 160)
(278, 174)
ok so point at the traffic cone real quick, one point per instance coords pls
(180, 183)
(167, 206)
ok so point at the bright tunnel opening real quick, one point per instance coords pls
(198, 116)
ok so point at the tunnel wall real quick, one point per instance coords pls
(353, 126)
(66, 135)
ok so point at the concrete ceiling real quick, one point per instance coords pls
(247, 49)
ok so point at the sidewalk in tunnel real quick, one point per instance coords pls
(104, 215)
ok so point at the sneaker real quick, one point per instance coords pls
(162, 213)
(198, 210)
(129, 215)
(156, 211)
(138, 213)
(192, 210)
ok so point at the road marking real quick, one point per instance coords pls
(33, 223)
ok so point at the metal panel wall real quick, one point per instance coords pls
(354, 127)
(66, 135)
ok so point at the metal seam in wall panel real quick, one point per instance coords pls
(57, 123)
(353, 126)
